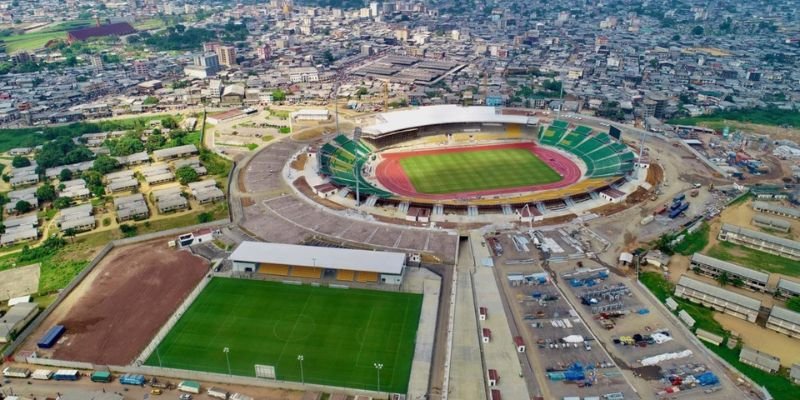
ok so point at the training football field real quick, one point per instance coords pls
(473, 170)
(341, 333)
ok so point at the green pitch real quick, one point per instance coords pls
(341, 333)
(474, 170)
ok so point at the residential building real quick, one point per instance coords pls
(784, 321)
(776, 209)
(170, 199)
(16, 319)
(131, 207)
(751, 279)
(760, 241)
(226, 55)
(787, 288)
(757, 359)
(718, 298)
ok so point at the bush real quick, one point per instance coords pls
(106, 221)
(204, 217)
(128, 230)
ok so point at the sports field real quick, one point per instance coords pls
(470, 170)
(341, 333)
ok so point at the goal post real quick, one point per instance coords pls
(265, 371)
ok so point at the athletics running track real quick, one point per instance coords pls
(391, 175)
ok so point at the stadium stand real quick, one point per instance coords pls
(342, 159)
(603, 156)
(367, 277)
(274, 269)
(345, 275)
(306, 272)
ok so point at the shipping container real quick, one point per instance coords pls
(12, 372)
(101, 376)
(132, 379)
(67, 375)
(51, 337)
(42, 374)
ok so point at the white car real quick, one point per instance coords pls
(185, 396)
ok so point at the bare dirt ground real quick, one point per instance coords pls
(123, 303)
(762, 339)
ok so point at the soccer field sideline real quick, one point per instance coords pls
(333, 356)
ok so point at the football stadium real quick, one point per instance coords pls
(453, 157)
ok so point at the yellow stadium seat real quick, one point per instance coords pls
(345, 275)
(367, 277)
(274, 269)
(307, 272)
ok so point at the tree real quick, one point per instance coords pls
(186, 174)
(128, 230)
(723, 278)
(278, 95)
(155, 142)
(169, 123)
(70, 233)
(46, 193)
(65, 175)
(20, 162)
(676, 37)
(150, 101)
(126, 145)
(204, 217)
(698, 30)
(62, 202)
(23, 206)
(105, 164)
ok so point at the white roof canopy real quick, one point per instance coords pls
(320, 257)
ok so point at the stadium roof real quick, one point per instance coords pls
(437, 115)
(720, 293)
(785, 314)
(731, 268)
(791, 244)
(321, 257)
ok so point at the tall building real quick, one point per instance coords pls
(209, 47)
(655, 105)
(263, 52)
(208, 60)
(140, 68)
(226, 55)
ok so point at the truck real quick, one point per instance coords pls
(51, 337)
(42, 374)
(12, 372)
(100, 376)
(67, 375)
(218, 393)
(678, 211)
(189, 387)
(679, 198)
(132, 379)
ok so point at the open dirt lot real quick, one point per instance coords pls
(762, 339)
(120, 306)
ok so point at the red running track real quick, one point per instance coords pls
(391, 175)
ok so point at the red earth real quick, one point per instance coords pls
(391, 175)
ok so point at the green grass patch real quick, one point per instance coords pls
(340, 333)
(474, 170)
(35, 40)
(148, 24)
(693, 243)
(755, 259)
(778, 385)
(760, 116)
(267, 138)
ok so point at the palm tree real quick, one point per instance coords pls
(723, 278)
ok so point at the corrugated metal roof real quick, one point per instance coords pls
(323, 257)
(731, 267)
(759, 358)
(785, 314)
(791, 244)
(776, 222)
(763, 205)
(727, 295)
(789, 285)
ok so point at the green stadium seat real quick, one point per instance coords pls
(583, 130)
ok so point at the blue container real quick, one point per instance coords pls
(132, 379)
(51, 337)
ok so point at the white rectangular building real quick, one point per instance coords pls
(718, 298)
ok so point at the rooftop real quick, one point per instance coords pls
(321, 257)
(731, 267)
(791, 244)
(720, 293)
(436, 115)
